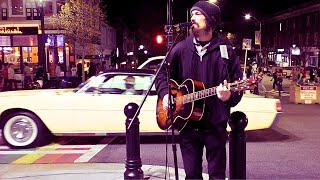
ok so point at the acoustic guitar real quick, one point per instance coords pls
(189, 101)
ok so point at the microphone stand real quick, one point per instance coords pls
(170, 45)
(170, 112)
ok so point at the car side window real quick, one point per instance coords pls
(126, 84)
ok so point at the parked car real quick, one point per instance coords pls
(151, 63)
(96, 107)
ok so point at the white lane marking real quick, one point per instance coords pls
(67, 146)
(4, 147)
(45, 152)
(89, 154)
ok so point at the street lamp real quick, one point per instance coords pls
(41, 49)
(248, 17)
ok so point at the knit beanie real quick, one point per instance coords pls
(210, 10)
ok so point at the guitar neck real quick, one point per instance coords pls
(248, 84)
(187, 98)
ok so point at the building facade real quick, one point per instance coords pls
(21, 36)
(292, 37)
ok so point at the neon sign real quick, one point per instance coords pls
(5, 30)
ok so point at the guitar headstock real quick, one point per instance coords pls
(245, 84)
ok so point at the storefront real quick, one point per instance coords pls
(279, 58)
(19, 45)
(57, 52)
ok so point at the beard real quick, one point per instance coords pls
(197, 32)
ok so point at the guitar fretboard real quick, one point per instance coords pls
(199, 95)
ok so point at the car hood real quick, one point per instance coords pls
(35, 92)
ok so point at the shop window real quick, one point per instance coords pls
(5, 41)
(17, 8)
(30, 54)
(30, 40)
(12, 55)
(60, 41)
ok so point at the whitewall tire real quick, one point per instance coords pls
(23, 130)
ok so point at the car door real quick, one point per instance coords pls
(101, 109)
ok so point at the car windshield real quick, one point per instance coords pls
(94, 81)
(136, 84)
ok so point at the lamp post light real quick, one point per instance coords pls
(248, 17)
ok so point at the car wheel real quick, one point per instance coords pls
(23, 130)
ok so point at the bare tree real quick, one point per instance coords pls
(81, 21)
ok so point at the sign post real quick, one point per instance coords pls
(246, 45)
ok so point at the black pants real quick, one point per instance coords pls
(274, 84)
(192, 143)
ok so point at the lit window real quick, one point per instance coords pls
(5, 41)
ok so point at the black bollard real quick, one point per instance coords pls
(133, 160)
(237, 145)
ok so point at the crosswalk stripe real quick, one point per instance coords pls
(28, 159)
(4, 147)
(45, 152)
(70, 146)
(89, 154)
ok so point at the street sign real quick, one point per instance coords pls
(246, 44)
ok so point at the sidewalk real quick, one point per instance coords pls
(97, 171)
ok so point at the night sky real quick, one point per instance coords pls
(150, 16)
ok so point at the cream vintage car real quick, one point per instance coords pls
(96, 108)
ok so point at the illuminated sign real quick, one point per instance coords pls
(10, 30)
(295, 51)
(18, 30)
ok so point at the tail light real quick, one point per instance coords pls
(278, 106)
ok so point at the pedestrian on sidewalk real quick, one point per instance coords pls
(5, 76)
(279, 81)
(318, 75)
(274, 78)
(27, 76)
(11, 78)
(259, 77)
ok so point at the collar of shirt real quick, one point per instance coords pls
(201, 50)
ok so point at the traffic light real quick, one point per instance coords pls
(159, 39)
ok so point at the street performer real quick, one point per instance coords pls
(204, 56)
